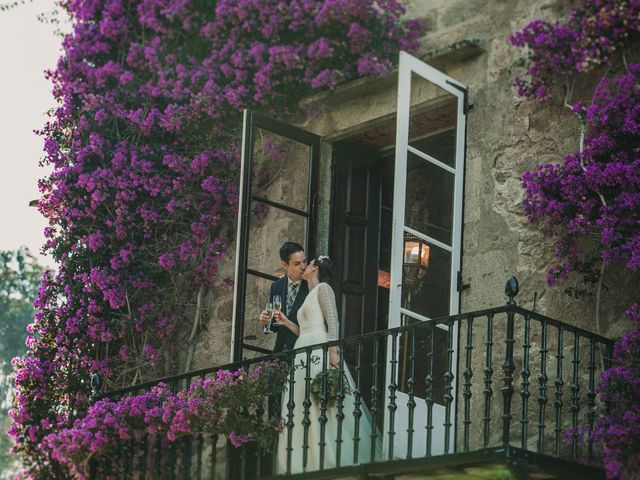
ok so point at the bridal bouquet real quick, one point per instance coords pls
(332, 378)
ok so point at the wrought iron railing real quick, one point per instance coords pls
(501, 377)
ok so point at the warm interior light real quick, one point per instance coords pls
(384, 279)
(416, 253)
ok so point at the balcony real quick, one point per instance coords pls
(496, 393)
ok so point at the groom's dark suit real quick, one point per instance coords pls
(286, 338)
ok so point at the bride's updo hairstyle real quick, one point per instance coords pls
(326, 269)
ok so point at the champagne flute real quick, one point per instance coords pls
(277, 302)
(269, 309)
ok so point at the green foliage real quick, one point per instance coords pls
(19, 282)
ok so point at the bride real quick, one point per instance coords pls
(318, 323)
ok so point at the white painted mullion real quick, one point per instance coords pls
(456, 237)
(397, 228)
(434, 76)
(427, 238)
(415, 315)
(430, 159)
(399, 190)
(422, 318)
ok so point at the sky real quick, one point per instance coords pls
(27, 48)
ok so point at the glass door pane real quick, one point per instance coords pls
(279, 173)
(280, 170)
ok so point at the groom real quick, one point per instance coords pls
(292, 290)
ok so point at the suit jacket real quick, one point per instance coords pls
(286, 338)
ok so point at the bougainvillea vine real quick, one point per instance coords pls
(142, 199)
(228, 404)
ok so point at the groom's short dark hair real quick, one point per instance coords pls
(289, 248)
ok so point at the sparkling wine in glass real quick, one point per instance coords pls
(269, 309)
(277, 302)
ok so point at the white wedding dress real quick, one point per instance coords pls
(318, 320)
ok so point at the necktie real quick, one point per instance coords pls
(291, 296)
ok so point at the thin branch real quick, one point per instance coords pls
(569, 89)
(278, 172)
(194, 330)
(598, 301)
(583, 126)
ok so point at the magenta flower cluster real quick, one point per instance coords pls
(617, 432)
(595, 192)
(226, 404)
(593, 32)
(142, 198)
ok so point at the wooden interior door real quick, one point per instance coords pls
(360, 246)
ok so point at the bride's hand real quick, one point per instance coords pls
(280, 317)
(334, 357)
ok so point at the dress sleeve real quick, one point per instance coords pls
(327, 300)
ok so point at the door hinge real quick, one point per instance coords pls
(466, 106)
(462, 286)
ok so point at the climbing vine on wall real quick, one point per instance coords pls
(142, 199)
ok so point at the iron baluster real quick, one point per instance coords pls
(199, 447)
(488, 380)
(93, 469)
(559, 383)
(290, 407)
(186, 459)
(429, 390)
(213, 458)
(144, 458)
(259, 414)
(393, 387)
(468, 374)
(127, 453)
(374, 397)
(608, 357)
(173, 454)
(508, 367)
(526, 374)
(448, 388)
(199, 457)
(575, 395)
(340, 409)
(591, 396)
(306, 404)
(542, 385)
(109, 469)
(173, 460)
(322, 419)
(411, 382)
(357, 411)
(243, 462)
(156, 463)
